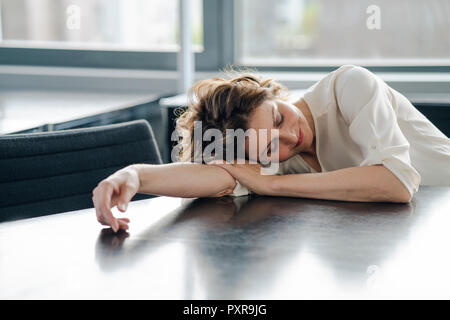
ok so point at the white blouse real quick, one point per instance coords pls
(360, 120)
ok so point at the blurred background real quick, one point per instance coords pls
(102, 24)
(106, 61)
(284, 32)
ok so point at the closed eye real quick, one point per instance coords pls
(281, 121)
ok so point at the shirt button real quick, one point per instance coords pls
(374, 147)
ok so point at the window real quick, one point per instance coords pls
(330, 32)
(315, 35)
(149, 25)
(130, 34)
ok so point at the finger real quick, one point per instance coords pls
(106, 205)
(98, 212)
(126, 194)
(122, 225)
(101, 220)
(124, 220)
(114, 200)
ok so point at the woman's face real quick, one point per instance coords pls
(293, 130)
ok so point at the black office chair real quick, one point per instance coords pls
(53, 172)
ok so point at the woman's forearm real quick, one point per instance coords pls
(365, 184)
(184, 179)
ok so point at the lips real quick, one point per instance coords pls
(300, 137)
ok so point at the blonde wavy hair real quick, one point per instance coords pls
(223, 103)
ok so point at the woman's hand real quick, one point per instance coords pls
(249, 175)
(117, 189)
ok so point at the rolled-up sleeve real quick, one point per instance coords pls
(364, 103)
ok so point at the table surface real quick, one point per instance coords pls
(235, 248)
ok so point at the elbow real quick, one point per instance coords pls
(389, 192)
(403, 197)
(394, 189)
(404, 194)
(394, 196)
(399, 195)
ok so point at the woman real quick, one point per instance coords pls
(350, 137)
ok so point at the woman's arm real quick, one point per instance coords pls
(366, 183)
(184, 179)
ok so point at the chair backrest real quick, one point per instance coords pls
(52, 172)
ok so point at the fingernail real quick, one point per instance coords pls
(122, 206)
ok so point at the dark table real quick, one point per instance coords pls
(235, 248)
